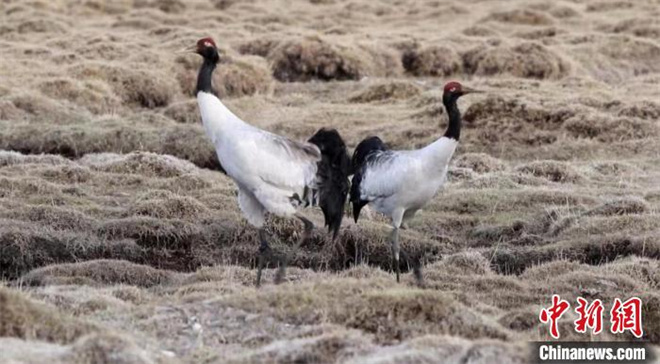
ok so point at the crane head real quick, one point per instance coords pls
(205, 47)
(455, 89)
(205, 43)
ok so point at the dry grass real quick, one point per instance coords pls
(118, 235)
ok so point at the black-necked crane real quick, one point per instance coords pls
(274, 174)
(399, 183)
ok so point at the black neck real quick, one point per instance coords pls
(454, 127)
(204, 77)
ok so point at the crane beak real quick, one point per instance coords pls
(192, 49)
(468, 90)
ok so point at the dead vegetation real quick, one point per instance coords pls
(24, 318)
(436, 61)
(145, 88)
(314, 58)
(118, 244)
(529, 60)
(387, 92)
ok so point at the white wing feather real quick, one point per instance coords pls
(271, 167)
(388, 174)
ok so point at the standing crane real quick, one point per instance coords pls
(274, 174)
(399, 183)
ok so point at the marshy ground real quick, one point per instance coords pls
(121, 243)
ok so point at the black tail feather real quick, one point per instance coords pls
(360, 155)
(333, 171)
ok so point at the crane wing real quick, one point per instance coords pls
(384, 174)
(259, 158)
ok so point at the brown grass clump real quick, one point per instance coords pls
(392, 314)
(241, 78)
(108, 349)
(613, 168)
(167, 205)
(608, 5)
(8, 158)
(479, 162)
(498, 112)
(185, 112)
(146, 88)
(651, 316)
(609, 129)
(432, 61)
(640, 269)
(398, 90)
(143, 163)
(563, 12)
(234, 76)
(35, 105)
(646, 110)
(637, 56)
(325, 348)
(258, 46)
(9, 111)
(94, 95)
(461, 264)
(528, 60)
(24, 318)
(314, 58)
(166, 6)
(550, 270)
(99, 272)
(621, 206)
(54, 217)
(479, 31)
(26, 246)
(521, 16)
(117, 228)
(552, 170)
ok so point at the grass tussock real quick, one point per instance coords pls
(386, 92)
(112, 210)
(145, 164)
(439, 61)
(391, 314)
(552, 170)
(312, 58)
(22, 317)
(608, 129)
(94, 95)
(145, 88)
(99, 272)
(621, 206)
(166, 205)
(521, 17)
(479, 162)
(527, 60)
(234, 77)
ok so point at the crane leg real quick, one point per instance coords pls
(398, 217)
(394, 239)
(264, 253)
(307, 232)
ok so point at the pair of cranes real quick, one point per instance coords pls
(277, 175)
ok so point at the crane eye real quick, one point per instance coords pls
(452, 89)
